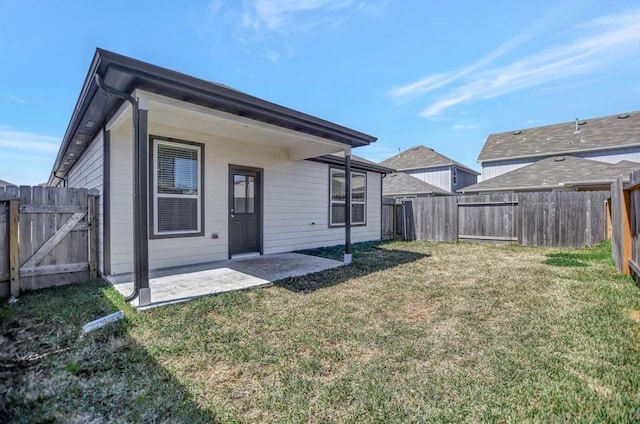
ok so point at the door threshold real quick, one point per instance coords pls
(245, 255)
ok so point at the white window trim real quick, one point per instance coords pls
(156, 195)
(342, 202)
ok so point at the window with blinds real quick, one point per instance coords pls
(338, 197)
(177, 196)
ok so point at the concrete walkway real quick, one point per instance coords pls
(179, 284)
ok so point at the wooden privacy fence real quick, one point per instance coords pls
(561, 219)
(625, 224)
(48, 237)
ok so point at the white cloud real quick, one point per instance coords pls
(275, 14)
(28, 142)
(464, 126)
(602, 43)
(288, 16)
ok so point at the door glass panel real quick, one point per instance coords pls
(243, 194)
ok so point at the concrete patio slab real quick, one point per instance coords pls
(179, 284)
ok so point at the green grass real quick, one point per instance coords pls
(410, 332)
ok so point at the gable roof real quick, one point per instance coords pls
(404, 184)
(556, 173)
(126, 74)
(608, 132)
(4, 183)
(422, 157)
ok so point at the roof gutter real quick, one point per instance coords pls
(140, 271)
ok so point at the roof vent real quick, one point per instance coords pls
(560, 159)
(582, 122)
(517, 132)
(623, 116)
(577, 128)
(415, 148)
(582, 140)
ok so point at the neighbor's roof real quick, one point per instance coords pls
(404, 184)
(555, 173)
(422, 157)
(4, 183)
(123, 73)
(608, 132)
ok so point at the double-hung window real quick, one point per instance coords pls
(177, 188)
(338, 197)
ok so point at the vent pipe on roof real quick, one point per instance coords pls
(577, 128)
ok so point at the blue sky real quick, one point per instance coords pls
(441, 74)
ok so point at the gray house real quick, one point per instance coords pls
(433, 168)
(401, 185)
(609, 139)
(556, 173)
(209, 173)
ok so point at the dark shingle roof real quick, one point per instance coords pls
(422, 157)
(404, 184)
(556, 172)
(595, 134)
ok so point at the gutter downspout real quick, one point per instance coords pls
(347, 207)
(140, 230)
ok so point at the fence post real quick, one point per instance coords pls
(626, 232)
(93, 234)
(14, 253)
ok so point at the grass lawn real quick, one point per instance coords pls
(410, 332)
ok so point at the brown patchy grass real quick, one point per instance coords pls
(411, 332)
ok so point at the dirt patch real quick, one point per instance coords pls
(635, 315)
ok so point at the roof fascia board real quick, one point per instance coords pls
(562, 153)
(355, 164)
(79, 110)
(216, 93)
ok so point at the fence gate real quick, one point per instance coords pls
(493, 217)
(48, 237)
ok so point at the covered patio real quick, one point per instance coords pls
(180, 284)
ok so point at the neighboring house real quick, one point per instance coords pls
(609, 139)
(431, 167)
(4, 183)
(403, 186)
(557, 173)
(228, 174)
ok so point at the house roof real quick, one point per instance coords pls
(126, 74)
(422, 157)
(608, 132)
(556, 172)
(400, 183)
(4, 183)
(357, 162)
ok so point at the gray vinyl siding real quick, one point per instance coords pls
(88, 172)
(439, 177)
(495, 168)
(296, 202)
(614, 156)
(464, 179)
